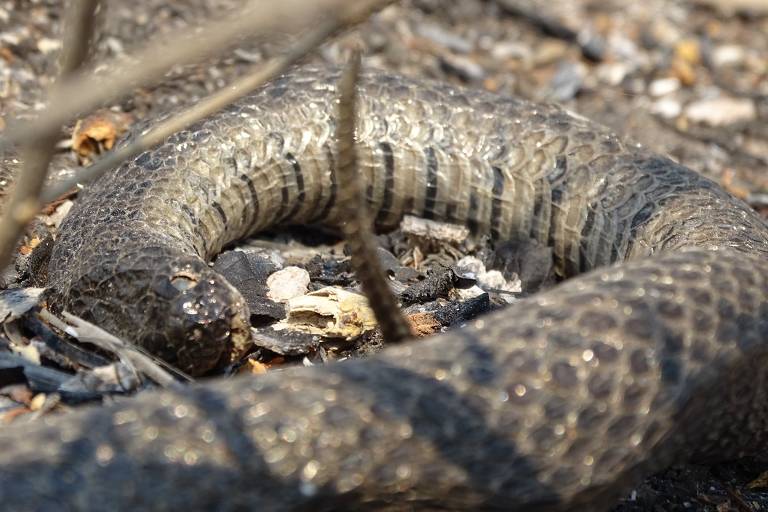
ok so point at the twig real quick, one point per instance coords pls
(81, 21)
(88, 333)
(258, 76)
(37, 152)
(86, 90)
(352, 208)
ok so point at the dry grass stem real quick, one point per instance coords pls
(85, 90)
(37, 152)
(357, 227)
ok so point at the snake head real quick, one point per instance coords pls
(204, 321)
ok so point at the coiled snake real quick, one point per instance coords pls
(560, 402)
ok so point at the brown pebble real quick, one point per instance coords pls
(423, 324)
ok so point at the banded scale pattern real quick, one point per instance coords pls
(559, 403)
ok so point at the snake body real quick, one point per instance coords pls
(657, 353)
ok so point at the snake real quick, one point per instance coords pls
(652, 351)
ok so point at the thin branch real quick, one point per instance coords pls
(36, 154)
(86, 90)
(256, 77)
(352, 208)
(78, 36)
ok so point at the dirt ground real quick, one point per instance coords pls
(688, 79)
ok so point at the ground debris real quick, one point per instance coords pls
(248, 271)
(17, 301)
(287, 284)
(98, 133)
(433, 230)
(438, 283)
(490, 280)
(285, 342)
(721, 111)
(329, 312)
(113, 378)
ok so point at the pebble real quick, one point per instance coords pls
(442, 37)
(287, 284)
(471, 265)
(612, 73)
(469, 293)
(728, 55)
(567, 81)
(463, 67)
(667, 108)
(511, 50)
(663, 86)
(721, 111)
(688, 50)
(489, 279)
(47, 45)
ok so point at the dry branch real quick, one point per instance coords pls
(259, 75)
(37, 152)
(357, 227)
(85, 90)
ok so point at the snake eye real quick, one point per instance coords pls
(183, 281)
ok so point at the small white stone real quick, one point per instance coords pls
(721, 111)
(287, 284)
(612, 73)
(469, 293)
(47, 45)
(471, 264)
(663, 86)
(728, 55)
(667, 107)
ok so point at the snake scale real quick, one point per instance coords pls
(656, 354)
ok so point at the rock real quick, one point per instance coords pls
(721, 111)
(612, 73)
(491, 280)
(463, 67)
(688, 50)
(511, 50)
(443, 37)
(288, 283)
(567, 81)
(469, 293)
(663, 86)
(667, 107)
(728, 55)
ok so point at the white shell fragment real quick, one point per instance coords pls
(287, 283)
(329, 312)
